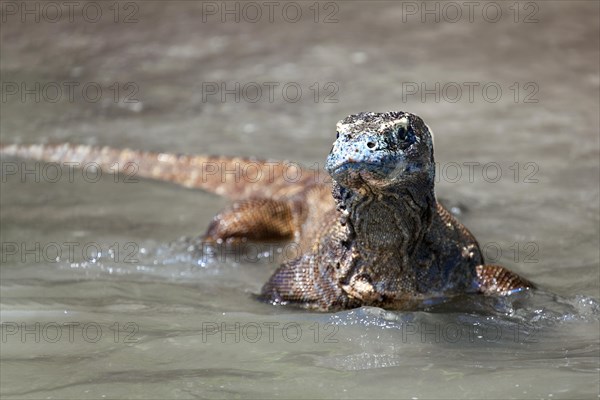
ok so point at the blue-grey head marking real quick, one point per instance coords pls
(380, 150)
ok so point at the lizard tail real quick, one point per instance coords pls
(232, 177)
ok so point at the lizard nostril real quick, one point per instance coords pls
(370, 145)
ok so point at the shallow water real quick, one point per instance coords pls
(148, 318)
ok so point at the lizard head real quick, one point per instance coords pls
(381, 150)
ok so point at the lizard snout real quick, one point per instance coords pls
(363, 160)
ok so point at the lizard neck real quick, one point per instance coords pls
(390, 221)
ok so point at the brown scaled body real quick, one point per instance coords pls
(376, 236)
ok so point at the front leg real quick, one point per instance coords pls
(497, 280)
(255, 220)
(300, 283)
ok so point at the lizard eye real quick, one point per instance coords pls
(337, 135)
(405, 137)
(401, 133)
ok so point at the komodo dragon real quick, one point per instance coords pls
(374, 236)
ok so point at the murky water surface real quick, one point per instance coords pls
(149, 318)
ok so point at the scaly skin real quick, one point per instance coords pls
(381, 240)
